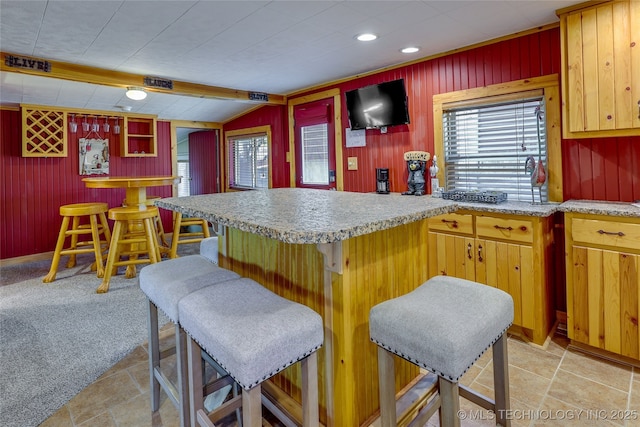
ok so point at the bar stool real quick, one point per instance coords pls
(95, 212)
(444, 326)
(209, 249)
(130, 239)
(163, 244)
(253, 334)
(165, 284)
(179, 238)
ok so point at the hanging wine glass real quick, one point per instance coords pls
(73, 126)
(95, 126)
(85, 124)
(105, 125)
(116, 126)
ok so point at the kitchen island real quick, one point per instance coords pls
(339, 253)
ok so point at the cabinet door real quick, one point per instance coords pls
(602, 69)
(451, 255)
(606, 289)
(509, 267)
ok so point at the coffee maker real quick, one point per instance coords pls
(382, 180)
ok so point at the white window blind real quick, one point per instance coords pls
(248, 161)
(315, 154)
(486, 147)
(184, 188)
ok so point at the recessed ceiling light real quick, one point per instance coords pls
(366, 37)
(411, 49)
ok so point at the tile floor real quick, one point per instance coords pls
(556, 386)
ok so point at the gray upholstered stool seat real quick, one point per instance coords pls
(253, 334)
(444, 326)
(209, 248)
(165, 284)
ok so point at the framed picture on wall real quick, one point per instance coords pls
(94, 156)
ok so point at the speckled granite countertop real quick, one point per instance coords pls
(596, 207)
(512, 208)
(296, 215)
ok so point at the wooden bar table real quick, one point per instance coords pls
(135, 194)
(339, 253)
(136, 186)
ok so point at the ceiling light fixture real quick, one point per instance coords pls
(136, 93)
(366, 37)
(410, 49)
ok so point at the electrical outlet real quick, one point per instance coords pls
(352, 163)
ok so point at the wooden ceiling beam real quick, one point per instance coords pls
(93, 75)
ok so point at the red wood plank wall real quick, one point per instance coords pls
(596, 169)
(33, 189)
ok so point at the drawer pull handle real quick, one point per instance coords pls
(469, 251)
(611, 233)
(498, 227)
(453, 223)
(480, 253)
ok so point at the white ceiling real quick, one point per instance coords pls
(277, 47)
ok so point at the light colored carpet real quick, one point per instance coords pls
(57, 338)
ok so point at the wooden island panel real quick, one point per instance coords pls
(375, 267)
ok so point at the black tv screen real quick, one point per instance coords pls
(379, 105)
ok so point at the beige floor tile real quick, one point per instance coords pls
(557, 412)
(137, 412)
(102, 395)
(524, 385)
(139, 354)
(61, 418)
(102, 420)
(140, 374)
(599, 370)
(532, 359)
(470, 375)
(586, 394)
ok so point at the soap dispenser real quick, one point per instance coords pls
(433, 171)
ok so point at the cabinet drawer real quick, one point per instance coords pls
(608, 233)
(516, 230)
(458, 223)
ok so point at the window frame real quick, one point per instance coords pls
(246, 133)
(507, 91)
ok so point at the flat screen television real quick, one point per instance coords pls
(378, 105)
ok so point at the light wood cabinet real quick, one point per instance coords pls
(600, 47)
(603, 282)
(512, 253)
(139, 139)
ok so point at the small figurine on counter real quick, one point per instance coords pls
(416, 164)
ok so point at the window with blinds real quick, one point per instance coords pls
(486, 147)
(315, 154)
(184, 185)
(248, 161)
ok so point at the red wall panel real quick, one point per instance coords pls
(34, 188)
(276, 117)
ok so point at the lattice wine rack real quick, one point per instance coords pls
(44, 133)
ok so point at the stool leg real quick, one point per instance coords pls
(386, 380)
(450, 403)
(74, 242)
(56, 253)
(112, 258)
(95, 236)
(154, 355)
(205, 228)
(183, 376)
(196, 394)
(252, 407)
(176, 236)
(310, 411)
(501, 381)
(152, 242)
